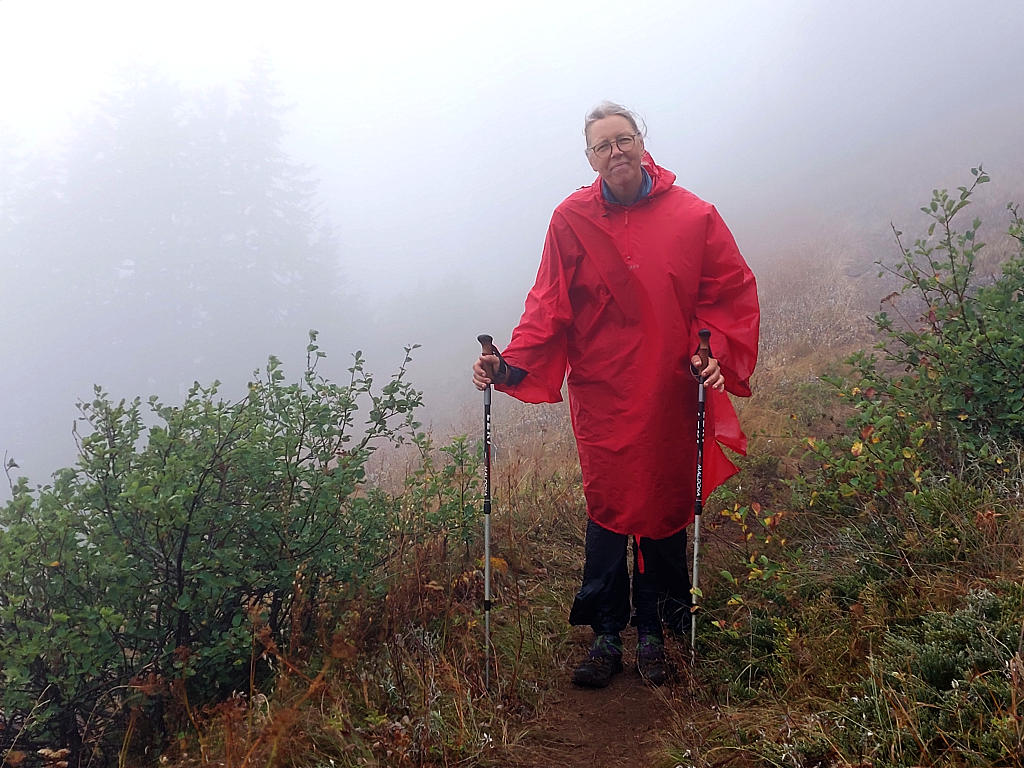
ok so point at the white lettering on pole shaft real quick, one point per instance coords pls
(487, 447)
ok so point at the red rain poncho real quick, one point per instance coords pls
(619, 297)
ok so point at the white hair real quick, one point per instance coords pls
(611, 109)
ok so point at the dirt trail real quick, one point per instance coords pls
(620, 725)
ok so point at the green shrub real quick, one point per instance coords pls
(445, 499)
(943, 392)
(910, 508)
(150, 560)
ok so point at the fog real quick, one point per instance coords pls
(188, 188)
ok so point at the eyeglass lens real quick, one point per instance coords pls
(622, 142)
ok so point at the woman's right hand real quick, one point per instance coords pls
(485, 371)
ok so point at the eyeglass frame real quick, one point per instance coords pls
(631, 138)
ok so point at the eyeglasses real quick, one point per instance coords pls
(604, 149)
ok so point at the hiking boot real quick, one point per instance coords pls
(601, 664)
(650, 659)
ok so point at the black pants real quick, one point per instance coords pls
(660, 594)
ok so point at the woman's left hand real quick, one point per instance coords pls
(712, 374)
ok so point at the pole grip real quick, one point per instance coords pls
(704, 347)
(487, 345)
(487, 348)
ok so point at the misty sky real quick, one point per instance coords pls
(443, 134)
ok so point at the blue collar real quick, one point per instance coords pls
(645, 189)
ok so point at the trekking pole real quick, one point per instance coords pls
(488, 348)
(704, 351)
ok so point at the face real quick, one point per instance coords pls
(619, 169)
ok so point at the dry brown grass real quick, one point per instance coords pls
(398, 681)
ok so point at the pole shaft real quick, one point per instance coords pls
(704, 352)
(487, 348)
(487, 538)
(698, 507)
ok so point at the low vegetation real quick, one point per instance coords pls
(879, 619)
(253, 582)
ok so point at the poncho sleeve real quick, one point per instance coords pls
(727, 305)
(538, 343)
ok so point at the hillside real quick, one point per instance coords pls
(862, 600)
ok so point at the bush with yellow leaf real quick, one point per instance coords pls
(943, 392)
